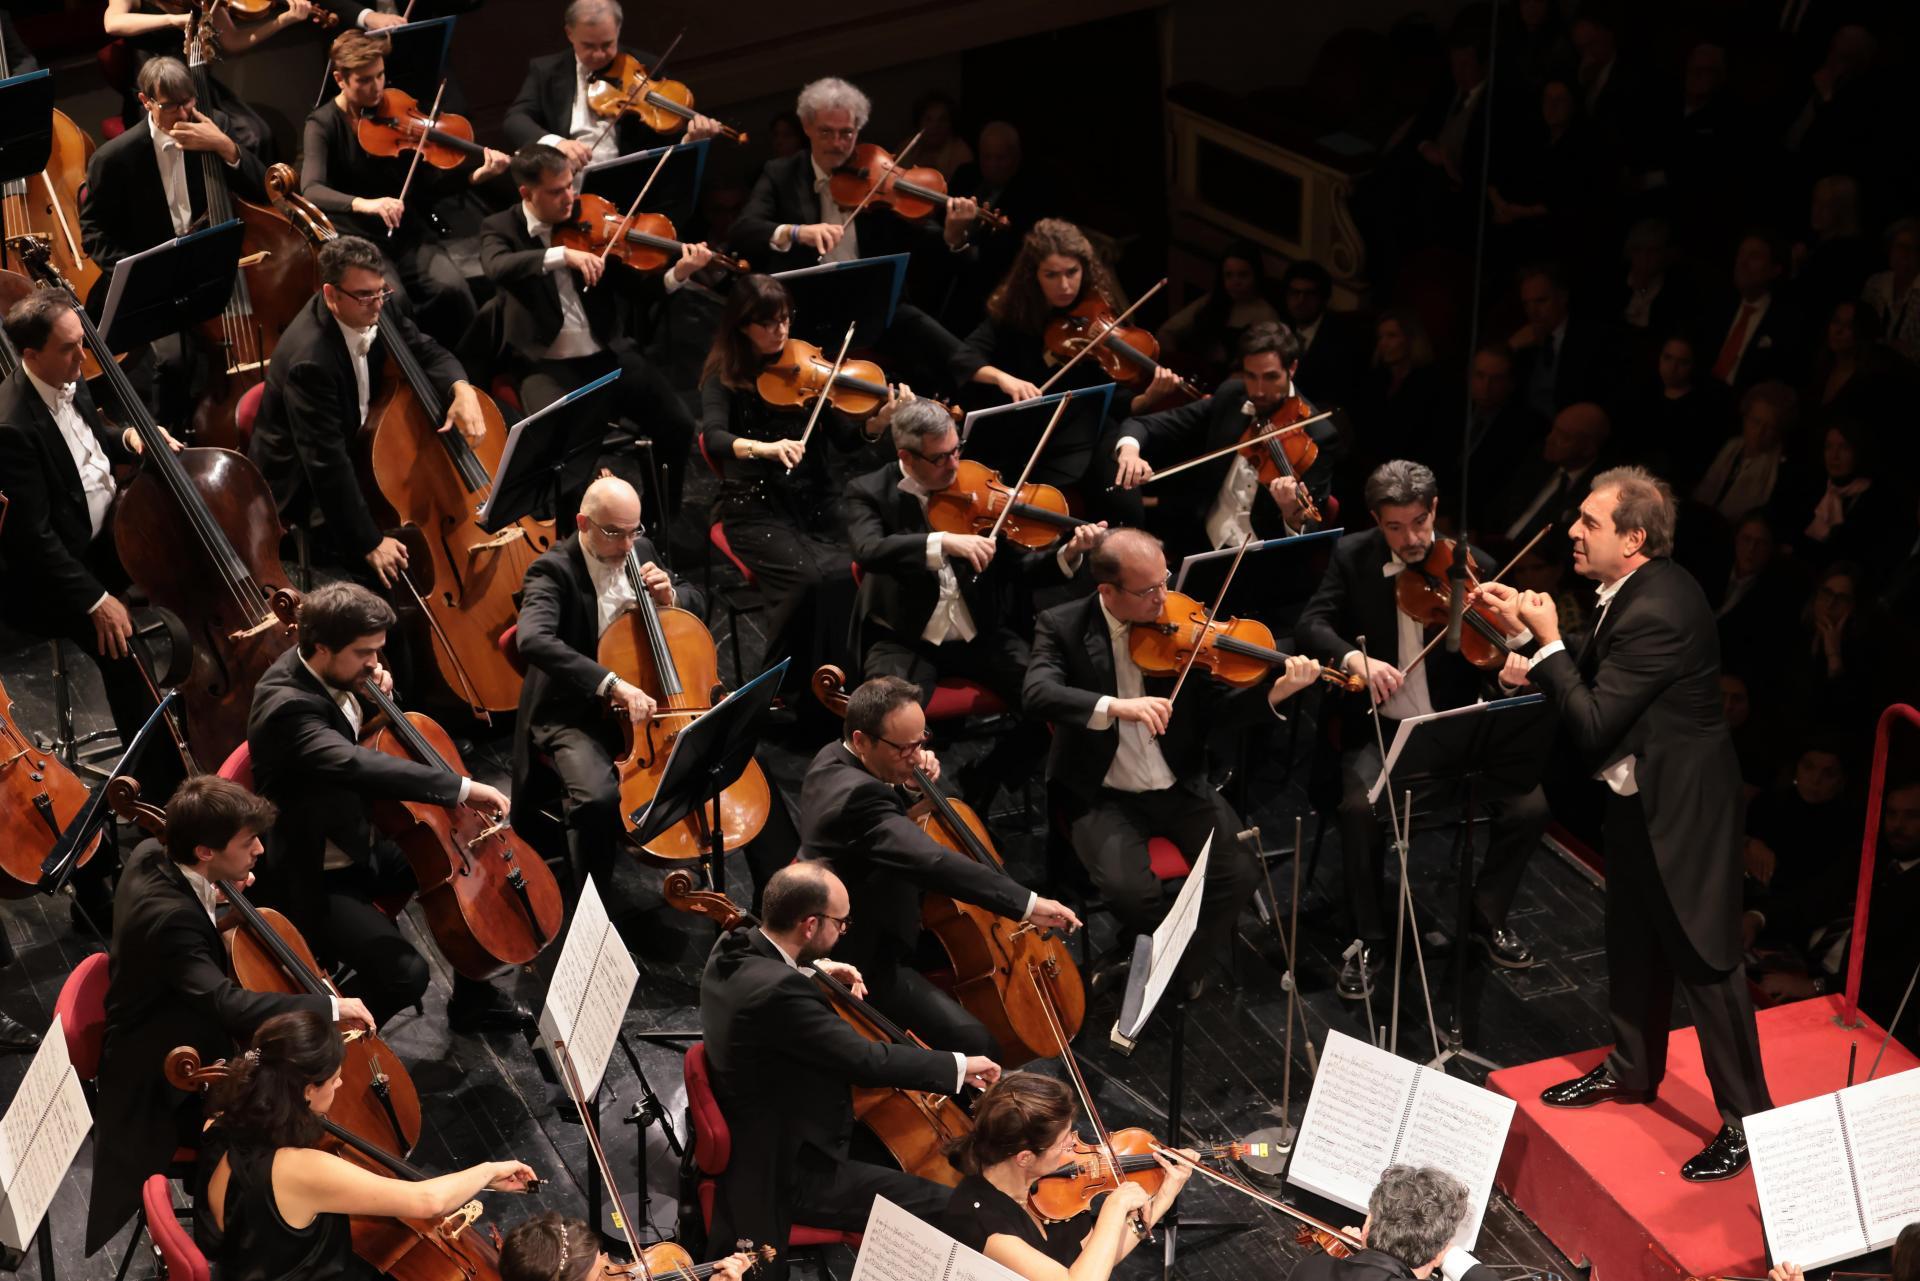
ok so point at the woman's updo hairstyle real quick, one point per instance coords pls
(263, 1100)
(1022, 1112)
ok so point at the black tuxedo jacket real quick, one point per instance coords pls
(304, 438)
(887, 537)
(169, 985)
(515, 261)
(785, 194)
(1647, 685)
(1072, 669)
(50, 563)
(782, 1064)
(858, 826)
(123, 208)
(1356, 599)
(1332, 368)
(1582, 367)
(305, 761)
(559, 636)
(1777, 350)
(1523, 484)
(545, 105)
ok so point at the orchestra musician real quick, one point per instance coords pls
(556, 1247)
(1639, 700)
(853, 818)
(269, 1203)
(1023, 1131)
(1413, 1214)
(170, 983)
(328, 367)
(1356, 597)
(552, 104)
(327, 864)
(361, 192)
(571, 316)
(378, 16)
(158, 29)
(1218, 504)
(783, 1063)
(1128, 765)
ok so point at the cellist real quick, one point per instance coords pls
(853, 818)
(170, 983)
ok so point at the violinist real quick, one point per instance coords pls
(1128, 764)
(1218, 505)
(1023, 1131)
(779, 511)
(552, 106)
(158, 29)
(935, 604)
(783, 1064)
(170, 983)
(853, 818)
(554, 1247)
(570, 316)
(329, 366)
(361, 192)
(1357, 597)
(327, 865)
(379, 15)
(269, 1203)
(1412, 1216)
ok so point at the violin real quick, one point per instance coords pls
(872, 175)
(972, 504)
(648, 242)
(669, 1260)
(669, 653)
(1128, 354)
(664, 106)
(397, 124)
(1089, 1172)
(916, 1127)
(989, 953)
(41, 796)
(1424, 594)
(801, 373)
(1289, 454)
(1237, 651)
(491, 902)
(257, 10)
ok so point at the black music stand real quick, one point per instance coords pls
(1003, 436)
(1502, 744)
(708, 757)
(170, 287)
(12, 1261)
(530, 462)
(865, 291)
(416, 60)
(675, 193)
(26, 124)
(64, 857)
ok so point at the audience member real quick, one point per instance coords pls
(1802, 859)
(1757, 335)
(1894, 294)
(1203, 336)
(1836, 509)
(1681, 424)
(1744, 473)
(1334, 345)
(1546, 489)
(1558, 359)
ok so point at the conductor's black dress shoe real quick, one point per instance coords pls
(1723, 1158)
(1597, 1086)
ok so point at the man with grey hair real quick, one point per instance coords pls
(933, 604)
(1413, 1215)
(1639, 700)
(1357, 598)
(553, 103)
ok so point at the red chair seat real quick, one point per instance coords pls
(81, 1008)
(1166, 860)
(245, 412)
(506, 393)
(958, 697)
(238, 767)
(180, 1258)
(718, 534)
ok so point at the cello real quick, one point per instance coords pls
(491, 902)
(199, 532)
(989, 953)
(917, 1128)
(39, 797)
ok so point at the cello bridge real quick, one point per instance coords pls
(460, 1220)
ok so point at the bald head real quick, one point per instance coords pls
(1579, 434)
(804, 908)
(610, 504)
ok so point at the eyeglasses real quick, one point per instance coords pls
(618, 534)
(844, 922)
(907, 749)
(945, 455)
(366, 297)
(1150, 590)
(822, 132)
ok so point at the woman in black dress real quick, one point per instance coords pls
(778, 505)
(552, 1247)
(1023, 1130)
(271, 1206)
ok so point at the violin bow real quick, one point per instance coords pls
(1237, 446)
(420, 149)
(1058, 410)
(1238, 1185)
(620, 232)
(1206, 625)
(826, 392)
(892, 166)
(1504, 570)
(639, 88)
(1093, 342)
(570, 1079)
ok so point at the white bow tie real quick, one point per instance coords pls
(66, 394)
(1393, 568)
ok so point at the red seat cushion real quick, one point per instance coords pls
(718, 534)
(179, 1255)
(238, 767)
(509, 644)
(82, 1010)
(712, 1140)
(246, 411)
(1166, 860)
(506, 393)
(957, 697)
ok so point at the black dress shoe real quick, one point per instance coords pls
(478, 1007)
(1597, 1086)
(1506, 948)
(1358, 973)
(1110, 970)
(17, 1037)
(1723, 1158)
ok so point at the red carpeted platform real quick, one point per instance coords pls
(1604, 1183)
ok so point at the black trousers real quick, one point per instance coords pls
(904, 995)
(641, 396)
(806, 581)
(1647, 954)
(997, 659)
(1110, 837)
(1516, 820)
(375, 960)
(443, 301)
(841, 1195)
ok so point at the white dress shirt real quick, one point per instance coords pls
(1230, 520)
(96, 473)
(576, 334)
(359, 343)
(1138, 764)
(173, 177)
(584, 126)
(1618, 774)
(611, 589)
(1413, 697)
(849, 247)
(951, 619)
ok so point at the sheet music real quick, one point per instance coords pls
(1462, 1129)
(1170, 941)
(38, 1137)
(592, 984)
(1801, 1172)
(1352, 1120)
(896, 1246)
(1883, 1127)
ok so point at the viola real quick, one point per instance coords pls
(39, 796)
(917, 1128)
(491, 902)
(1237, 651)
(664, 106)
(1424, 594)
(1128, 354)
(1089, 1172)
(669, 653)
(397, 124)
(1289, 454)
(645, 242)
(972, 504)
(872, 176)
